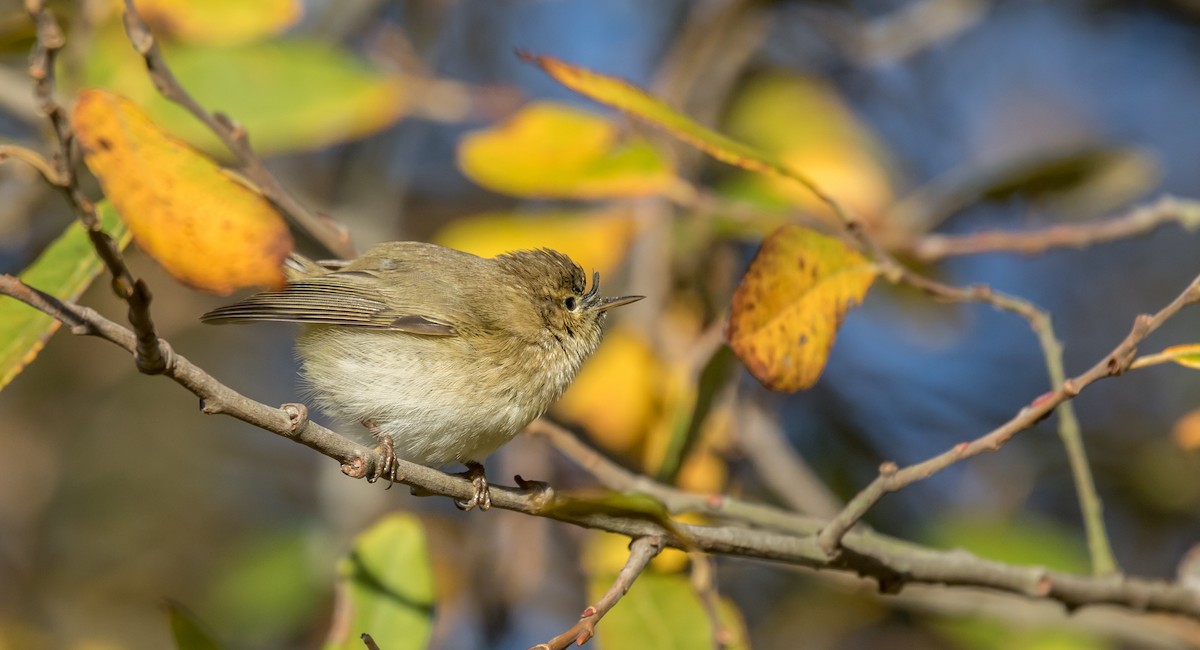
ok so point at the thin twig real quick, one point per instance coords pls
(1139, 221)
(332, 235)
(891, 562)
(150, 357)
(891, 478)
(704, 583)
(33, 159)
(641, 551)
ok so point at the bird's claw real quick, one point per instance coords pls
(482, 496)
(387, 449)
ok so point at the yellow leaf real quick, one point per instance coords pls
(1187, 355)
(206, 228)
(790, 304)
(595, 240)
(554, 150)
(1186, 431)
(219, 22)
(803, 121)
(616, 394)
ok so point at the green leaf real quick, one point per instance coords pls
(386, 588)
(188, 631)
(662, 611)
(289, 94)
(63, 270)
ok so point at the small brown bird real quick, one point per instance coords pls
(442, 355)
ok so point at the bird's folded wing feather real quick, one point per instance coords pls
(346, 298)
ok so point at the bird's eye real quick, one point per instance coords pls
(570, 303)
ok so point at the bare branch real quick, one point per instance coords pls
(704, 583)
(1140, 221)
(149, 357)
(641, 551)
(892, 478)
(328, 232)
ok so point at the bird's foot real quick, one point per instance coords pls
(483, 495)
(387, 448)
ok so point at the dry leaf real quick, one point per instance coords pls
(206, 227)
(790, 304)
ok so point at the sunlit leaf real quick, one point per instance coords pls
(635, 101)
(1187, 355)
(219, 22)
(661, 610)
(205, 227)
(805, 124)
(63, 270)
(386, 588)
(290, 95)
(595, 240)
(787, 310)
(555, 150)
(617, 392)
(188, 632)
(693, 413)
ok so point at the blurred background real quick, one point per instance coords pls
(117, 495)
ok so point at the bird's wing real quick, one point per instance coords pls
(348, 298)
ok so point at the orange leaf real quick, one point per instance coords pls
(789, 306)
(554, 150)
(206, 227)
(1186, 431)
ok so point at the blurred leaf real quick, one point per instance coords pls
(219, 22)
(617, 392)
(980, 633)
(386, 588)
(1186, 432)
(206, 228)
(1163, 479)
(63, 270)
(188, 632)
(266, 588)
(1187, 356)
(290, 95)
(595, 240)
(635, 101)
(660, 611)
(787, 310)
(716, 372)
(1072, 183)
(803, 122)
(1024, 541)
(555, 150)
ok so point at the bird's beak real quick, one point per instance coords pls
(605, 304)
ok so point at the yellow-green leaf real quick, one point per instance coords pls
(63, 270)
(219, 22)
(207, 228)
(386, 588)
(595, 240)
(635, 101)
(789, 306)
(1187, 355)
(554, 150)
(802, 122)
(289, 94)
